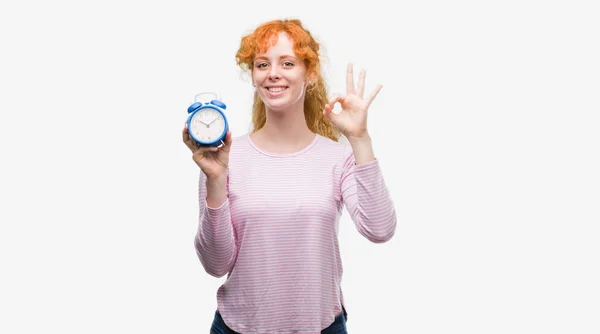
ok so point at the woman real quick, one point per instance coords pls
(270, 200)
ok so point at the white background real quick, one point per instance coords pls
(486, 129)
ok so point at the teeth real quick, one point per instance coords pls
(276, 89)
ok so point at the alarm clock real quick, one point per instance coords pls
(207, 124)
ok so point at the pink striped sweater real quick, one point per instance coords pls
(276, 235)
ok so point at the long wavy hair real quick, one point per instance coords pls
(307, 49)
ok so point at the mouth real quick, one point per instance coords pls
(276, 89)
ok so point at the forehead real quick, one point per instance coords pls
(279, 43)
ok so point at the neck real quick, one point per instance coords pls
(285, 131)
(287, 126)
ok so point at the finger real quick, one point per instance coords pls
(203, 151)
(185, 133)
(335, 98)
(373, 94)
(227, 143)
(196, 147)
(361, 83)
(327, 111)
(189, 142)
(213, 155)
(349, 79)
(198, 155)
(208, 148)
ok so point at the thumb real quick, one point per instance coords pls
(227, 143)
(328, 111)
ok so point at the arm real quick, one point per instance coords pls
(363, 189)
(365, 194)
(215, 239)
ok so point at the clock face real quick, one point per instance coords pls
(207, 125)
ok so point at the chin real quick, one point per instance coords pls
(277, 107)
(283, 103)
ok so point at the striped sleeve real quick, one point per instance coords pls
(215, 239)
(367, 199)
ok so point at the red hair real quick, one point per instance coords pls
(306, 48)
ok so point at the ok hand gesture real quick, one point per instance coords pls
(352, 120)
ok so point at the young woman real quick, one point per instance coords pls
(270, 200)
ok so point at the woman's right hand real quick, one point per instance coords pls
(213, 161)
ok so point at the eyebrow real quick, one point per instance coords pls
(282, 57)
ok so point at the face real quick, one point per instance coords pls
(279, 76)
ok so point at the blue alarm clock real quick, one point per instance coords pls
(207, 123)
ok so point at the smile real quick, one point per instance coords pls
(276, 89)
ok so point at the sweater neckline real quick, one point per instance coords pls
(284, 155)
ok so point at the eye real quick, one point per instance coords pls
(261, 65)
(288, 64)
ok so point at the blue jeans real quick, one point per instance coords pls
(337, 327)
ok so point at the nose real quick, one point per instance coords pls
(274, 73)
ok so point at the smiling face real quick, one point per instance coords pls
(279, 76)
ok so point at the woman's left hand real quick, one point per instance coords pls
(352, 120)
